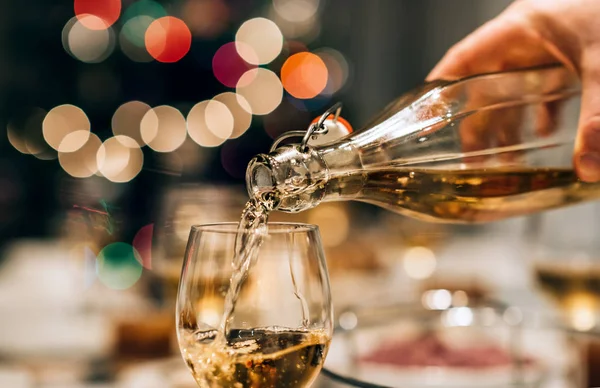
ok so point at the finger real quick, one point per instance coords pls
(587, 144)
(480, 52)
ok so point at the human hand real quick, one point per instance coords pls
(537, 32)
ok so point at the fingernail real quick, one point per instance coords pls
(589, 167)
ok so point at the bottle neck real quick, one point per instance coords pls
(297, 181)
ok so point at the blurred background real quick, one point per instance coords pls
(124, 122)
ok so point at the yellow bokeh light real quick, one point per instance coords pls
(305, 30)
(85, 44)
(437, 299)
(120, 159)
(74, 141)
(261, 41)
(239, 109)
(262, 89)
(219, 119)
(163, 128)
(127, 120)
(81, 163)
(197, 124)
(419, 262)
(582, 310)
(60, 122)
(296, 10)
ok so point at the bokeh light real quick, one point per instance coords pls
(419, 262)
(219, 119)
(74, 141)
(119, 159)
(262, 90)
(306, 30)
(240, 111)
(228, 66)
(134, 30)
(436, 299)
(127, 120)
(296, 10)
(206, 18)
(337, 68)
(458, 316)
(105, 12)
(581, 309)
(81, 163)
(168, 39)
(304, 75)
(117, 266)
(201, 115)
(61, 121)
(259, 41)
(142, 242)
(25, 134)
(163, 128)
(85, 44)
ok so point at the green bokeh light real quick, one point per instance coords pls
(135, 29)
(117, 266)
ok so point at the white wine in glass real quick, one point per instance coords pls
(279, 330)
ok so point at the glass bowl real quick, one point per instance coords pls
(484, 346)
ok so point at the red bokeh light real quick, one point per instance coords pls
(228, 66)
(106, 10)
(168, 39)
(142, 242)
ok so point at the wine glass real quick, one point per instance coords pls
(566, 269)
(281, 327)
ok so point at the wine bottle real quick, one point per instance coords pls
(477, 149)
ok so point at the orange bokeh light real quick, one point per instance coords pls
(168, 39)
(107, 12)
(304, 75)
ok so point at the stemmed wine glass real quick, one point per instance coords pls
(566, 268)
(281, 327)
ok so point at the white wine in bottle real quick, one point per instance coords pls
(479, 149)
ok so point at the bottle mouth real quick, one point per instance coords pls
(287, 179)
(260, 179)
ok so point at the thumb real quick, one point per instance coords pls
(587, 143)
